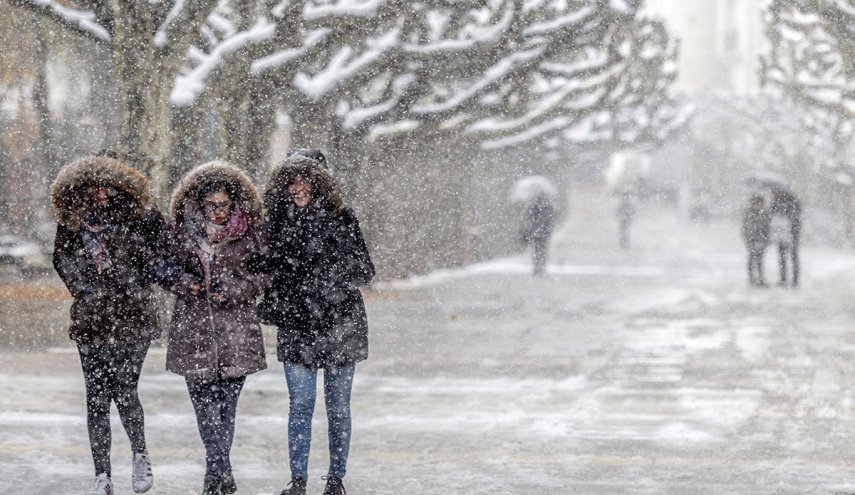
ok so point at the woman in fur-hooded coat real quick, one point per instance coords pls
(318, 261)
(215, 340)
(210, 337)
(106, 237)
(103, 251)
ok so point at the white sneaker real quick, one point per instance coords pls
(142, 477)
(102, 485)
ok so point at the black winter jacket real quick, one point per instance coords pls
(318, 260)
(755, 228)
(103, 253)
(115, 304)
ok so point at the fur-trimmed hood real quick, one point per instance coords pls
(70, 197)
(191, 185)
(327, 193)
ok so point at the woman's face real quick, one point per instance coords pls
(218, 207)
(100, 194)
(301, 191)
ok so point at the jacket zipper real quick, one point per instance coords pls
(206, 269)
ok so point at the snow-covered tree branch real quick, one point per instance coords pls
(504, 72)
(80, 21)
(812, 50)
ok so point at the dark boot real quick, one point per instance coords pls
(228, 485)
(297, 487)
(334, 486)
(211, 486)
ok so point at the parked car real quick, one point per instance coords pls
(25, 254)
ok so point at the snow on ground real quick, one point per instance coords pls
(649, 371)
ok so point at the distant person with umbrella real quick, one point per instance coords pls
(537, 194)
(539, 223)
(785, 212)
(755, 232)
(625, 214)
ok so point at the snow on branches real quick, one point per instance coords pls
(811, 55)
(502, 72)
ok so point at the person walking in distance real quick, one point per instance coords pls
(105, 242)
(215, 339)
(317, 260)
(755, 232)
(537, 229)
(625, 214)
(786, 212)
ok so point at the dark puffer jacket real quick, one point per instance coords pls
(539, 220)
(755, 228)
(318, 260)
(785, 203)
(103, 254)
(209, 338)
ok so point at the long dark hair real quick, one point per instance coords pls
(211, 177)
(326, 193)
(217, 185)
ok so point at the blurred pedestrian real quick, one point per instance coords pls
(318, 260)
(786, 222)
(105, 241)
(215, 339)
(625, 214)
(537, 229)
(755, 232)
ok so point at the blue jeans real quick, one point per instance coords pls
(302, 387)
(215, 404)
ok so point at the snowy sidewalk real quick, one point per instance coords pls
(653, 371)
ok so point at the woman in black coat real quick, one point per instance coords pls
(105, 240)
(318, 260)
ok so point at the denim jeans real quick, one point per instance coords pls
(302, 387)
(215, 404)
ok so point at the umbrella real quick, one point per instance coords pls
(767, 181)
(530, 187)
(783, 198)
(773, 184)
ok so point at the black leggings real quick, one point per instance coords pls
(539, 247)
(112, 373)
(755, 266)
(215, 403)
(788, 251)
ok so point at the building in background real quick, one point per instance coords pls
(720, 42)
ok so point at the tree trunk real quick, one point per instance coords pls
(348, 154)
(232, 105)
(40, 105)
(103, 98)
(187, 131)
(310, 124)
(144, 135)
(261, 122)
(45, 156)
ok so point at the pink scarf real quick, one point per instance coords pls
(235, 228)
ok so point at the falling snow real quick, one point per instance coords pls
(643, 359)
